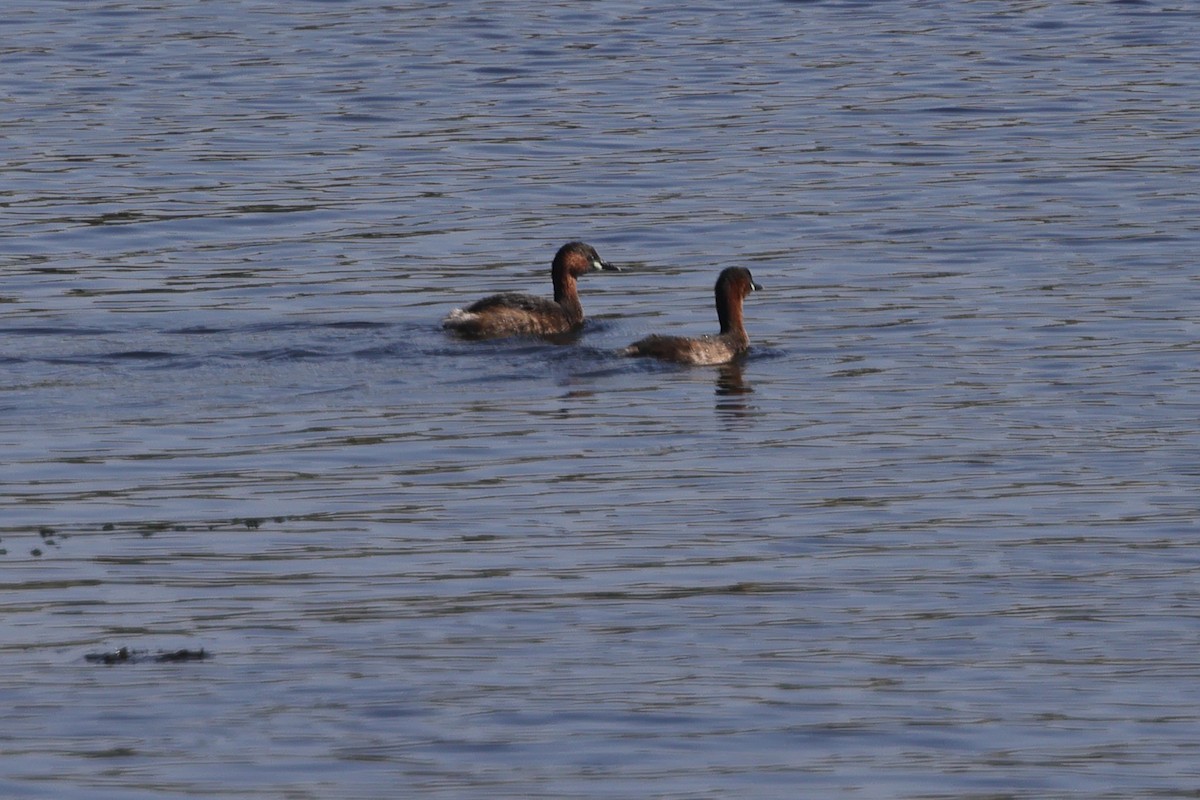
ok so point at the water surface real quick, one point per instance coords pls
(935, 537)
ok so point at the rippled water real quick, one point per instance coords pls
(936, 537)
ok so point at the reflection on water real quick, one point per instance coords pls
(933, 536)
(732, 392)
(730, 381)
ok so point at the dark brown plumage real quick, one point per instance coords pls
(514, 314)
(733, 285)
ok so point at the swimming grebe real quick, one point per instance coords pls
(733, 284)
(513, 314)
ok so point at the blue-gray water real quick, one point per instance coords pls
(935, 538)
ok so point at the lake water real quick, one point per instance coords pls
(935, 538)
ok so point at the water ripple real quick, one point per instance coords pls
(934, 536)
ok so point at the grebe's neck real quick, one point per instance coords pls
(567, 295)
(729, 312)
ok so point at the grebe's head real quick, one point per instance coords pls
(736, 282)
(577, 258)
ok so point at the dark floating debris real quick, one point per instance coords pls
(150, 528)
(123, 655)
(181, 655)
